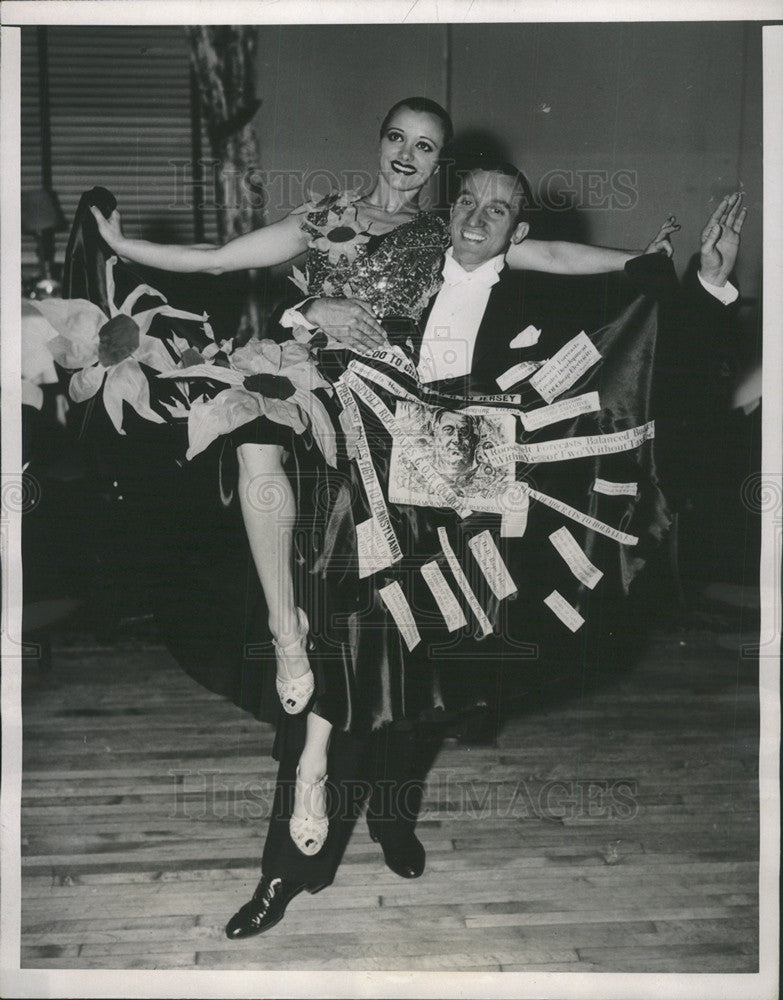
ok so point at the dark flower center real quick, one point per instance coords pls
(274, 386)
(118, 339)
(342, 234)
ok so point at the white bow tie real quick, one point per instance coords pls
(454, 274)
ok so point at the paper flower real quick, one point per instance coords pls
(37, 362)
(341, 235)
(265, 379)
(300, 280)
(108, 351)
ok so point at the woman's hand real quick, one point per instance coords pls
(110, 229)
(349, 322)
(661, 243)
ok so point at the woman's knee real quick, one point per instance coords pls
(256, 459)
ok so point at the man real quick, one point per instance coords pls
(469, 332)
(464, 325)
(455, 439)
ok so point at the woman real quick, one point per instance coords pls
(369, 256)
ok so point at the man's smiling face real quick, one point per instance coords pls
(455, 440)
(484, 218)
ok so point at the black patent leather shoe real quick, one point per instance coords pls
(403, 854)
(265, 909)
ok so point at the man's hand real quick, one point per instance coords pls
(720, 240)
(349, 322)
(661, 242)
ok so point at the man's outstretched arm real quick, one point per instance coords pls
(697, 354)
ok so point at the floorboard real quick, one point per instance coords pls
(615, 831)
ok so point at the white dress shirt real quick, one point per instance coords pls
(453, 324)
(723, 293)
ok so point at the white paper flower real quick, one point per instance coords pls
(264, 379)
(108, 351)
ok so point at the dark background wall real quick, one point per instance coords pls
(617, 125)
(621, 123)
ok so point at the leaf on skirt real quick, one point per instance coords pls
(258, 357)
(177, 410)
(218, 373)
(155, 354)
(230, 409)
(127, 383)
(304, 335)
(86, 383)
(136, 294)
(37, 332)
(77, 322)
(299, 280)
(32, 395)
(146, 318)
(320, 424)
(283, 411)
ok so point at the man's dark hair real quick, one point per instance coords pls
(469, 418)
(426, 106)
(494, 165)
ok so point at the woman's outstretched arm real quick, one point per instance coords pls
(560, 257)
(264, 247)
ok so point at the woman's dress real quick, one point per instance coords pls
(207, 597)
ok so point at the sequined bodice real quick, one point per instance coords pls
(396, 273)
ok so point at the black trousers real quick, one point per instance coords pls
(386, 770)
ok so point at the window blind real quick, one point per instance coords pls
(120, 110)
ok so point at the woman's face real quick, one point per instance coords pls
(410, 148)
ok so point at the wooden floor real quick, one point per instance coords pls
(142, 823)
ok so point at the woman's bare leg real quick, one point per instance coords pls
(312, 763)
(269, 512)
(309, 823)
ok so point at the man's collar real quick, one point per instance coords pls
(486, 274)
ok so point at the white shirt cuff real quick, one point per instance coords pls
(292, 317)
(723, 293)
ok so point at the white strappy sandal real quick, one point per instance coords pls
(294, 692)
(309, 832)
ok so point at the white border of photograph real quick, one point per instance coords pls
(70, 983)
